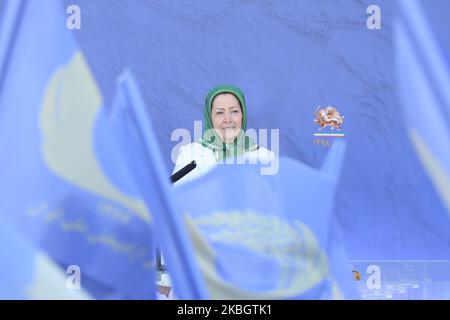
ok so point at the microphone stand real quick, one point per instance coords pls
(173, 178)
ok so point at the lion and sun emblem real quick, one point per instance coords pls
(328, 116)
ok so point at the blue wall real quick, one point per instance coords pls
(288, 57)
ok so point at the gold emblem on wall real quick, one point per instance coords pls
(328, 116)
(328, 124)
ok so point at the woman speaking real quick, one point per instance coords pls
(224, 126)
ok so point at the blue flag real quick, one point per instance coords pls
(269, 237)
(137, 140)
(63, 183)
(28, 273)
(423, 77)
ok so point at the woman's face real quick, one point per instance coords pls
(226, 116)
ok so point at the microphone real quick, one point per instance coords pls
(183, 171)
(173, 178)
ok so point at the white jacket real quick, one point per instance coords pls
(207, 159)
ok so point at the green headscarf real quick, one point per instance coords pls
(212, 140)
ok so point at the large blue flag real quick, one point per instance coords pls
(269, 237)
(137, 140)
(423, 82)
(29, 273)
(62, 181)
(423, 77)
